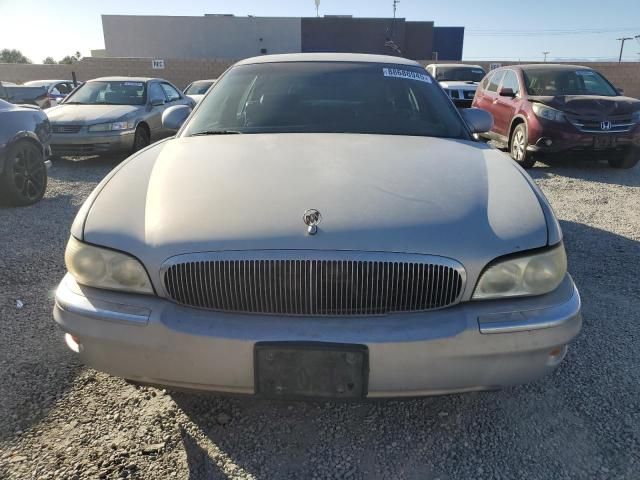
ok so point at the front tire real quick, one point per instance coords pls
(628, 159)
(518, 144)
(141, 139)
(24, 179)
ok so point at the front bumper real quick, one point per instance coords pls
(471, 346)
(84, 143)
(551, 137)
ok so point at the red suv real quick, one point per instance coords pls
(545, 109)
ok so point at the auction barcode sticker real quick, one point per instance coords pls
(408, 74)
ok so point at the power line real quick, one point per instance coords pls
(547, 32)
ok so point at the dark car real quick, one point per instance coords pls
(24, 147)
(546, 109)
(20, 94)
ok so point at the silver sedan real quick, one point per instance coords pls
(113, 115)
(326, 226)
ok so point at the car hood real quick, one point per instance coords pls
(459, 85)
(590, 105)
(89, 114)
(376, 193)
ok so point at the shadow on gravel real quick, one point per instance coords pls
(576, 423)
(36, 368)
(590, 170)
(77, 168)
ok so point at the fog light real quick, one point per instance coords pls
(548, 142)
(72, 342)
(556, 355)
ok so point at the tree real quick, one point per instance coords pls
(49, 61)
(12, 56)
(69, 59)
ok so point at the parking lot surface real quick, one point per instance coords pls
(62, 420)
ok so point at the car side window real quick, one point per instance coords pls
(510, 80)
(156, 91)
(62, 88)
(494, 82)
(171, 93)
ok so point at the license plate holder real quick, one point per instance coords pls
(603, 142)
(311, 370)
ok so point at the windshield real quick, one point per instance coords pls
(327, 97)
(199, 88)
(567, 82)
(459, 74)
(109, 93)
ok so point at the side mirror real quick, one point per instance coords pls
(620, 90)
(174, 117)
(507, 92)
(157, 101)
(479, 121)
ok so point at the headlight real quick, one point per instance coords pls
(533, 274)
(548, 113)
(102, 268)
(635, 117)
(111, 127)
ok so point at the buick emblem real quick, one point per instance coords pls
(311, 219)
(606, 125)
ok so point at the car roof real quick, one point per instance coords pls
(125, 79)
(329, 57)
(46, 82)
(548, 66)
(455, 65)
(206, 80)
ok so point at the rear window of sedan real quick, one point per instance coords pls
(328, 97)
(105, 92)
(198, 88)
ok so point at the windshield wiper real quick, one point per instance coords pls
(74, 103)
(215, 132)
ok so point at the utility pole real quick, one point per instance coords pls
(623, 39)
(545, 56)
(317, 8)
(395, 6)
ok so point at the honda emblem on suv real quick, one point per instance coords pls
(605, 125)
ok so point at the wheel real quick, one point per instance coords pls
(628, 159)
(24, 179)
(518, 147)
(141, 139)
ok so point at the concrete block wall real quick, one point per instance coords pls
(181, 72)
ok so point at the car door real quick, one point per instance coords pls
(154, 116)
(504, 107)
(486, 96)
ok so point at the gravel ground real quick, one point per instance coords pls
(62, 420)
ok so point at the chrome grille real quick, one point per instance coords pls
(65, 128)
(617, 124)
(311, 286)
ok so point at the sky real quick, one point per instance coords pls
(568, 29)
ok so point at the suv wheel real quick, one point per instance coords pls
(628, 159)
(518, 147)
(24, 179)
